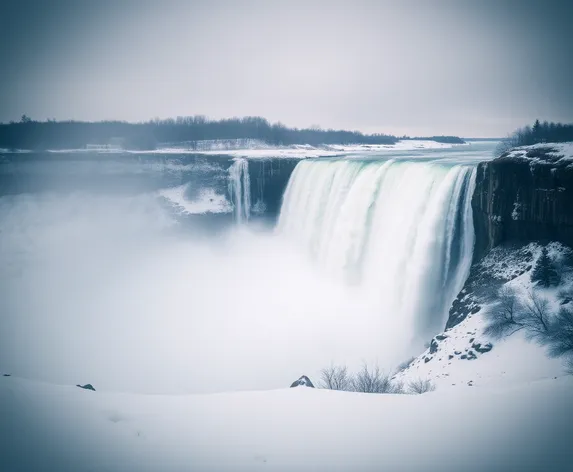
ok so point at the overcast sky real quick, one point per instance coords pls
(469, 68)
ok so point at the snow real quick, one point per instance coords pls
(512, 360)
(253, 149)
(64, 428)
(208, 201)
(561, 153)
(307, 151)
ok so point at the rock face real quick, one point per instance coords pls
(269, 179)
(304, 381)
(502, 264)
(523, 197)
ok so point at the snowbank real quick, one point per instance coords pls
(64, 428)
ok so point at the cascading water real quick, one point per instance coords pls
(400, 230)
(240, 189)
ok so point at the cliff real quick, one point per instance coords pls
(524, 195)
(269, 179)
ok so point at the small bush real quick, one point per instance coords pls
(420, 386)
(335, 378)
(367, 380)
(560, 337)
(503, 320)
(536, 318)
(372, 380)
(511, 316)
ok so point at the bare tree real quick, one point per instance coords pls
(420, 386)
(373, 380)
(335, 378)
(535, 319)
(504, 319)
(560, 339)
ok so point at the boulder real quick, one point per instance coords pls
(86, 387)
(482, 348)
(433, 346)
(303, 381)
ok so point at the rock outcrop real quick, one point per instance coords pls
(269, 179)
(500, 265)
(524, 195)
(303, 381)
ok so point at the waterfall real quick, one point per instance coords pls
(402, 231)
(240, 189)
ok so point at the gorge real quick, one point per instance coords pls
(358, 255)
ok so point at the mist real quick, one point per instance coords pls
(111, 292)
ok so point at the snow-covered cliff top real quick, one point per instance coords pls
(561, 153)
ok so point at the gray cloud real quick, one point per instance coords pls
(416, 67)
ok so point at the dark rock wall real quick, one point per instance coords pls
(269, 179)
(522, 200)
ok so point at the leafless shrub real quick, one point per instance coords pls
(560, 338)
(420, 386)
(503, 320)
(373, 380)
(335, 378)
(511, 315)
(398, 387)
(536, 317)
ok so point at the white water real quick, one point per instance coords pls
(400, 231)
(240, 189)
(118, 292)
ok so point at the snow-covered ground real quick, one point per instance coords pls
(525, 427)
(307, 151)
(454, 360)
(258, 149)
(561, 153)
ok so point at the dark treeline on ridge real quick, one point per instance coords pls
(51, 134)
(545, 132)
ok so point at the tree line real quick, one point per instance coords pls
(540, 132)
(189, 130)
(51, 134)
